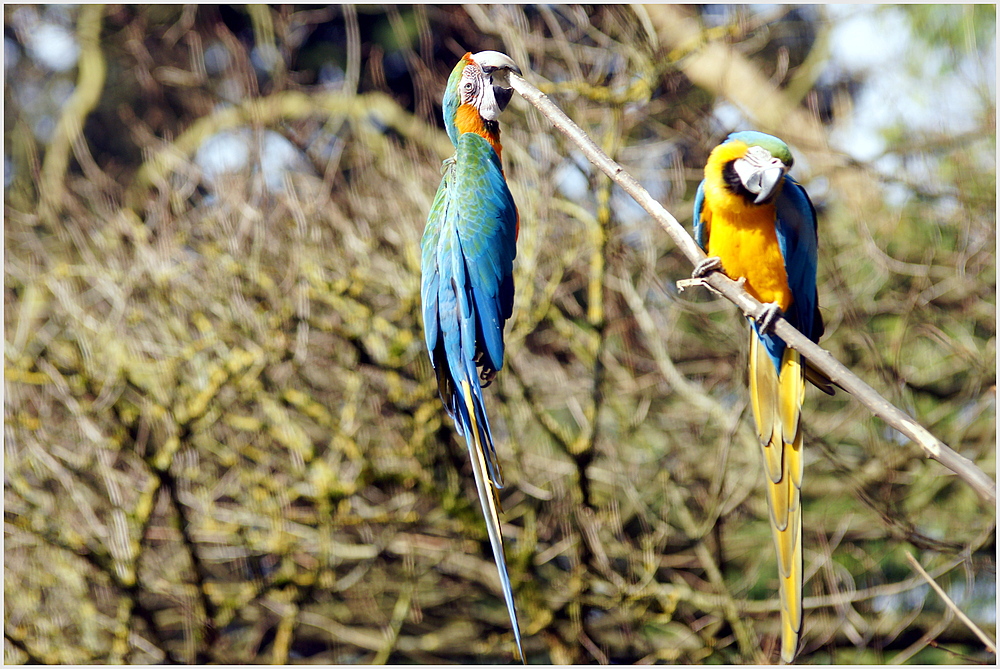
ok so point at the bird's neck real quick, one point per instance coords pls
(467, 119)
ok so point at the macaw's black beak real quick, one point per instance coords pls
(502, 96)
(497, 67)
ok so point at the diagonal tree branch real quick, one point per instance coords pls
(818, 357)
(987, 641)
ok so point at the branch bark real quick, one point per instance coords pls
(820, 358)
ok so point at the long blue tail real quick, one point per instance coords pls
(474, 425)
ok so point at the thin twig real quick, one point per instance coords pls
(86, 95)
(990, 644)
(741, 629)
(925, 639)
(820, 358)
(283, 106)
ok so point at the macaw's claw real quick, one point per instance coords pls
(767, 319)
(706, 267)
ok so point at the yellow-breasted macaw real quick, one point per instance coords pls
(467, 286)
(755, 221)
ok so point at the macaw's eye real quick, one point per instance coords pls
(468, 87)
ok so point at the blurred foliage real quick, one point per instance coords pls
(958, 30)
(223, 441)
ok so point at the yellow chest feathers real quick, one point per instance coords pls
(744, 238)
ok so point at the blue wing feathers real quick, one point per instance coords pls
(797, 237)
(700, 235)
(430, 274)
(796, 226)
(487, 234)
(467, 288)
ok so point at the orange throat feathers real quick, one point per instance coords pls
(467, 119)
(743, 234)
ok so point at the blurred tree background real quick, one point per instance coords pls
(223, 441)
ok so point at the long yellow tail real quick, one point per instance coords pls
(777, 403)
(491, 507)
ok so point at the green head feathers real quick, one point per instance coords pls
(770, 143)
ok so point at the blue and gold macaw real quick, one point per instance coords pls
(756, 222)
(467, 287)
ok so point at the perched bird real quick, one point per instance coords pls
(756, 222)
(467, 283)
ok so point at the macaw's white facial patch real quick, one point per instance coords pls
(470, 86)
(758, 156)
(485, 83)
(476, 89)
(760, 172)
